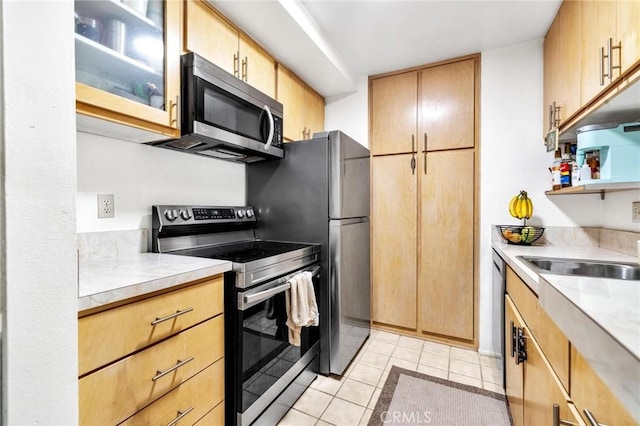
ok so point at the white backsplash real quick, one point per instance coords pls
(111, 244)
(611, 239)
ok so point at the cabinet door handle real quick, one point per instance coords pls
(610, 49)
(556, 114)
(591, 418)
(158, 320)
(175, 105)
(236, 64)
(425, 141)
(181, 414)
(245, 68)
(557, 421)
(179, 363)
(413, 154)
(513, 340)
(425, 162)
(521, 346)
(602, 75)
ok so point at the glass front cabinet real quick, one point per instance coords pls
(128, 63)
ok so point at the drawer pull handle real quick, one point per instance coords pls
(181, 414)
(158, 320)
(179, 364)
(591, 418)
(557, 421)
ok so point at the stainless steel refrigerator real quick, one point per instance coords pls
(319, 193)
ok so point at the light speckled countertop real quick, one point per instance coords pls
(104, 281)
(601, 317)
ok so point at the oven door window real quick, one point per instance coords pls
(266, 352)
(220, 108)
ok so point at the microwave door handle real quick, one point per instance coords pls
(271, 127)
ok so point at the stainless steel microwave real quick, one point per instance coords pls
(223, 117)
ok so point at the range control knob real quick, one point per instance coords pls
(240, 213)
(186, 214)
(250, 213)
(171, 214)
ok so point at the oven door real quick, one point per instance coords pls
(264, 363)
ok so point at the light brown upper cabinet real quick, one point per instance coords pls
(610, 42)
(431, 109)
(562, 47)
(628, 30)
(587, 48)
(394, 113)
(211, 36)
(599, 22)
(303, 107)
(125, 76)
(447, 106)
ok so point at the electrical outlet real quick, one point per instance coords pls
(106, 207)
(635, 217)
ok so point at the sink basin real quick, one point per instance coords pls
(587, 268)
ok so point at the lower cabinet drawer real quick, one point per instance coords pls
(188, 402)
(214, 417)
(110, 335)
(589, 392)
(117, 391)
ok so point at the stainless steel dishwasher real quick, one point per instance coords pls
(499, 288)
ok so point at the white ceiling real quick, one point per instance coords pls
(332, 44)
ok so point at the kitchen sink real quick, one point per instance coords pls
(587, 268)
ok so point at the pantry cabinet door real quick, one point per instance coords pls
(393, 218)
(446, 290)
(393, 114)
(447, 106)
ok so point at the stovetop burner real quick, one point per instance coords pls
(246, 251)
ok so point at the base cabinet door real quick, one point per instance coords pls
(445, 285)
(393, 216)
(589, 392)
(514, 372)
(542, 389)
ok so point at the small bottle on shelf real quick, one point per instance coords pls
(555, 170)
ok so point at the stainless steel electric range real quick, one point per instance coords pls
(264, 373)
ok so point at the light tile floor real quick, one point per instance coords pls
(349, 400)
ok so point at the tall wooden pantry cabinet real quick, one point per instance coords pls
(423, 133)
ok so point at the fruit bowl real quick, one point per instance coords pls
(520, 235)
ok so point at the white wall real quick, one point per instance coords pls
(350, 113)
(40, 360)
(140, 176)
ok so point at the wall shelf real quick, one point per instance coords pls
(596, 188)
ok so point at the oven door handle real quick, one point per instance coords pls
(262, 295)
(251, 299)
